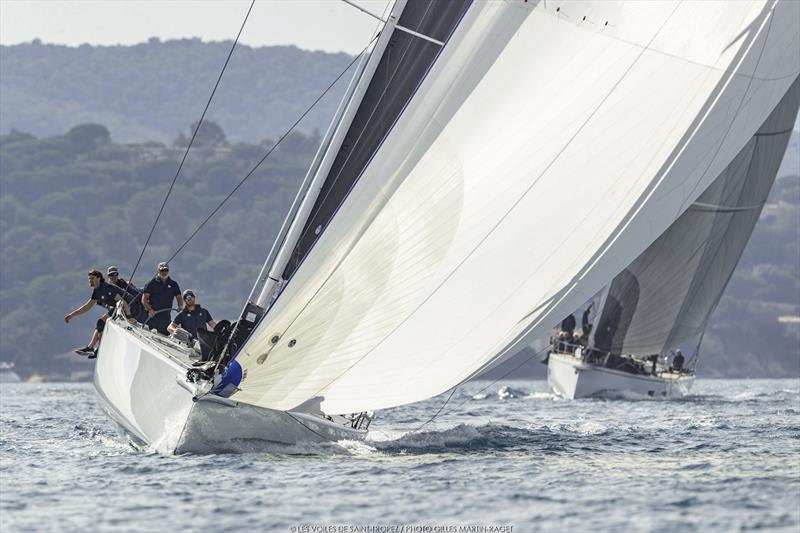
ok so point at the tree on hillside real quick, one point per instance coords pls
(86, 137)
(210, 135)
(15, 136)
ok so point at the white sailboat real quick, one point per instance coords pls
(7, 374)
(665, 298)
(420, 251)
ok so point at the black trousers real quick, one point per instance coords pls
(160, 322)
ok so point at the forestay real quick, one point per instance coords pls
(541, 154)
(667, 294)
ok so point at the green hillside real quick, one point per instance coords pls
(149, 91)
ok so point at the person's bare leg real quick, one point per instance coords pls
(95, 339)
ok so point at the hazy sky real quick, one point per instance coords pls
(329, 25)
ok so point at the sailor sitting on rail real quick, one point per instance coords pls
(192, 317)
(132, 295)
(106, 295)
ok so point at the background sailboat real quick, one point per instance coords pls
(665, 298)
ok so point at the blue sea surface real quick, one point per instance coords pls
(508, 454)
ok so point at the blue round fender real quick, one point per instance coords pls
(229, 380)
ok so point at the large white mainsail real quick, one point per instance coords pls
(666, 296)
(545, 149)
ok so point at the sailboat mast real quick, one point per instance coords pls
(304, 186)
(329, 152)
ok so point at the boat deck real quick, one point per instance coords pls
(579, 358)
(178, 352)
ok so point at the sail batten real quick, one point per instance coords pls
(532, 163)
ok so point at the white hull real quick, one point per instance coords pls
(142, 385)
(569, 377)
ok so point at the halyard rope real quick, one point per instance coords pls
(191, 141)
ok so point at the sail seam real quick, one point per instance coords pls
(702, 206)
(685, 59)
(771, 133)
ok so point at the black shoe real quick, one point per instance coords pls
(85, 351)
(93, 354)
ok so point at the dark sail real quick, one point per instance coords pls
(402, 68)
(667, 294)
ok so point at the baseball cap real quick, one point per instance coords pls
(112, 271)
(163, 266)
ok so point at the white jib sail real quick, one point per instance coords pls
(538, 158)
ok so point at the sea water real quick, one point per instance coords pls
(504, 456)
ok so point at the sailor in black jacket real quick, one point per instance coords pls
(105, 295)
(157, 299)
(192, 317)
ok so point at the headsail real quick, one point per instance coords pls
(537, 158)
(667, 294)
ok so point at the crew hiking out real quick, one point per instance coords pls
(103, 294)
(132, 295)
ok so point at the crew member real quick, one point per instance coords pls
(103, 294)
(568, 325)
(133, 295)
(654, 360)
(677, 362)
(192, 317)
(585, 325)
(157, 299)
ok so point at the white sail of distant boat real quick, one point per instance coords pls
(666, 296)
(495, 164)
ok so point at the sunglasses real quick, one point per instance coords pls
(164, 270)
(189, 298)
(113, 275)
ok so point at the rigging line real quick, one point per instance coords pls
(272, 149)
(535, 354)
(191, 141)
(320, 435)
(397, 26)
(431, 419)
